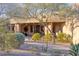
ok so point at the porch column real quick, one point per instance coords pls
(48, 29)
(17, 28)
(29, 30)
(45, 29)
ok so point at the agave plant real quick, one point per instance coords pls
(74, 50)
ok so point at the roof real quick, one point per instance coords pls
(34, 20)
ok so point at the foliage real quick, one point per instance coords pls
(3, 25)
(36, 36)
(20, 37)
(62, 37)
(2, 41)
(48, 37)
(8, 41)
(74, 50)
(11, 40)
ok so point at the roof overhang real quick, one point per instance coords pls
(33, 20)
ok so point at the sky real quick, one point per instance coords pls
(4, 7)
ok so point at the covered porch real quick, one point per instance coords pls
(30, 28)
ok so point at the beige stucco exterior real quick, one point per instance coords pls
(53, 21)
(54, 24)
(67, 28)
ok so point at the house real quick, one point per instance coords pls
(54, 24)
(32, 25)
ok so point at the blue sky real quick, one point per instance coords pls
(10, 6)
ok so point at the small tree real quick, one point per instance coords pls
(7, 38)
(36, 36)
(2, 42)
(8, 42)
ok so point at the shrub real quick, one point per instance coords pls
(8, 41)
(62, 37)
(48, 37)
(36, 36)
(20, 37)
(74, 50)
(2, 41)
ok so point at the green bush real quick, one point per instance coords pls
(36, 36)
(8, 41)
(20, 37)
(2, 41)
(63, 37)
(74, 50)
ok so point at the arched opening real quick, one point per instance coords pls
(25, 30)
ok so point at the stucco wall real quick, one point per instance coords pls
(67, 29)
(76, 32)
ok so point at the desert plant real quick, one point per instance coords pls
(7, 38)
(74, 50)
(63, 37)
(8, 42)
(36, 37)
(20, 38)
(48, 37)
(2, 41)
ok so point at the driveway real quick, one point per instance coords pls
(35, 49)
(53, 50)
